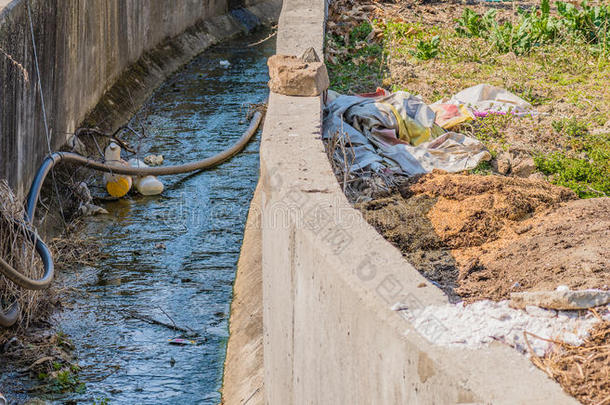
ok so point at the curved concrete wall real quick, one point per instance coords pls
(329, 280)
(83, 49)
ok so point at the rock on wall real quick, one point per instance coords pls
(83, 48)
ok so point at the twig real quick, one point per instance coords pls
(113, 136)
(153, 321)
(172, 319)
(265, 39)
(37, 362)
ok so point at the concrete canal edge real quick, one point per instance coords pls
(329, 281)
(243, 371)
(98, 62)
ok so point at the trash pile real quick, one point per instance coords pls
(118, 185)
(398, 133)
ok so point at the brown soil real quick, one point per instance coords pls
(483, 237)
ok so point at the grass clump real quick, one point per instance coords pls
(585, 169)
(572, 127)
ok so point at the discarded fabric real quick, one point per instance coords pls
(484, 99)
(451, 115)
(398, 133)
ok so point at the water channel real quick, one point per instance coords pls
(174, 255)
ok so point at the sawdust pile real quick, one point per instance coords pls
(483, 237)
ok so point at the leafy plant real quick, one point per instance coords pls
(360, 32)
(471, 24)
(425, 50)
(589, 23)
(66, 381)
(537, 27)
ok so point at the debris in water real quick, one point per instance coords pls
(181, 342)
(225, 63)
(117, 185)
(89, 209)
(146, 185)
(153, 160)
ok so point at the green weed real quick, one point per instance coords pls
(471, 24)
(67, 381)
(585, 170)
(571, 126)
(427, 49)
(538, 27)
(360, 32)
(360, 67)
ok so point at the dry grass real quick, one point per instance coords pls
(583, 371)
(361, 186)
(17, 250)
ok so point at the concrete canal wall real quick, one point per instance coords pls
(116, 51)
(329, 281)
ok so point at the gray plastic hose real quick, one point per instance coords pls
(11, 316)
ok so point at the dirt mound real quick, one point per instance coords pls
(487, 236)
(568, 246)
(472, 210)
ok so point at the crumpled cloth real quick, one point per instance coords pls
(490, 99)
(397, 133)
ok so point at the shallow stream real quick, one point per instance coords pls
(172, 257)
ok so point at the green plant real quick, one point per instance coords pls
(66, 381)
(358, 65)
(572, 127)
(537, 27)
(360, 32)
(484, 168)
(585, 172)
(425, 50)
(533, 29)
(589, 23)
(471, 24)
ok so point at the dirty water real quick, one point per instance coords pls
(172, 257)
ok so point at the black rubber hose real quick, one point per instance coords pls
(12, 315)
